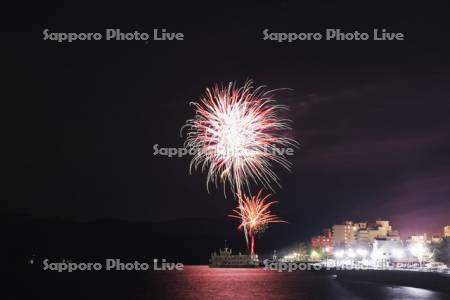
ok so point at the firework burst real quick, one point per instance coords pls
(255, 216)
(233, 135)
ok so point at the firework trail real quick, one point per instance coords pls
(233, 135)
(255, 215)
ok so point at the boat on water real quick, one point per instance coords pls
(225, 259)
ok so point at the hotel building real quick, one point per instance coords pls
(447, 231)
(361, 234)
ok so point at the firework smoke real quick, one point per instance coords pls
(233, 134)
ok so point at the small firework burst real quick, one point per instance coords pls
(255, 216)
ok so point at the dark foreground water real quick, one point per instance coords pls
(201, 282)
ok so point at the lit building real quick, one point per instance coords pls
(323, 240)
(343, 234)
(383, 227)
(383, 230)
(417, 238)
(393, 235)
(361, 234)
(372, 234)
(447, 231)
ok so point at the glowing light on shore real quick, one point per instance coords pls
(351, 253)
(398, 253)
(418, 249)
(339, 253)
(315, 254)
(362, 252)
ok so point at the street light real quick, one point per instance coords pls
(338, 254)
(327, 251)
(398, 253)
(362, 252)
(418, 250)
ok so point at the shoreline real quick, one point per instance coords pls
(424, 280)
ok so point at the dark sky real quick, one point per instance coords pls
(80, 120)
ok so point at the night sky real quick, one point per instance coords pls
(372, 117)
